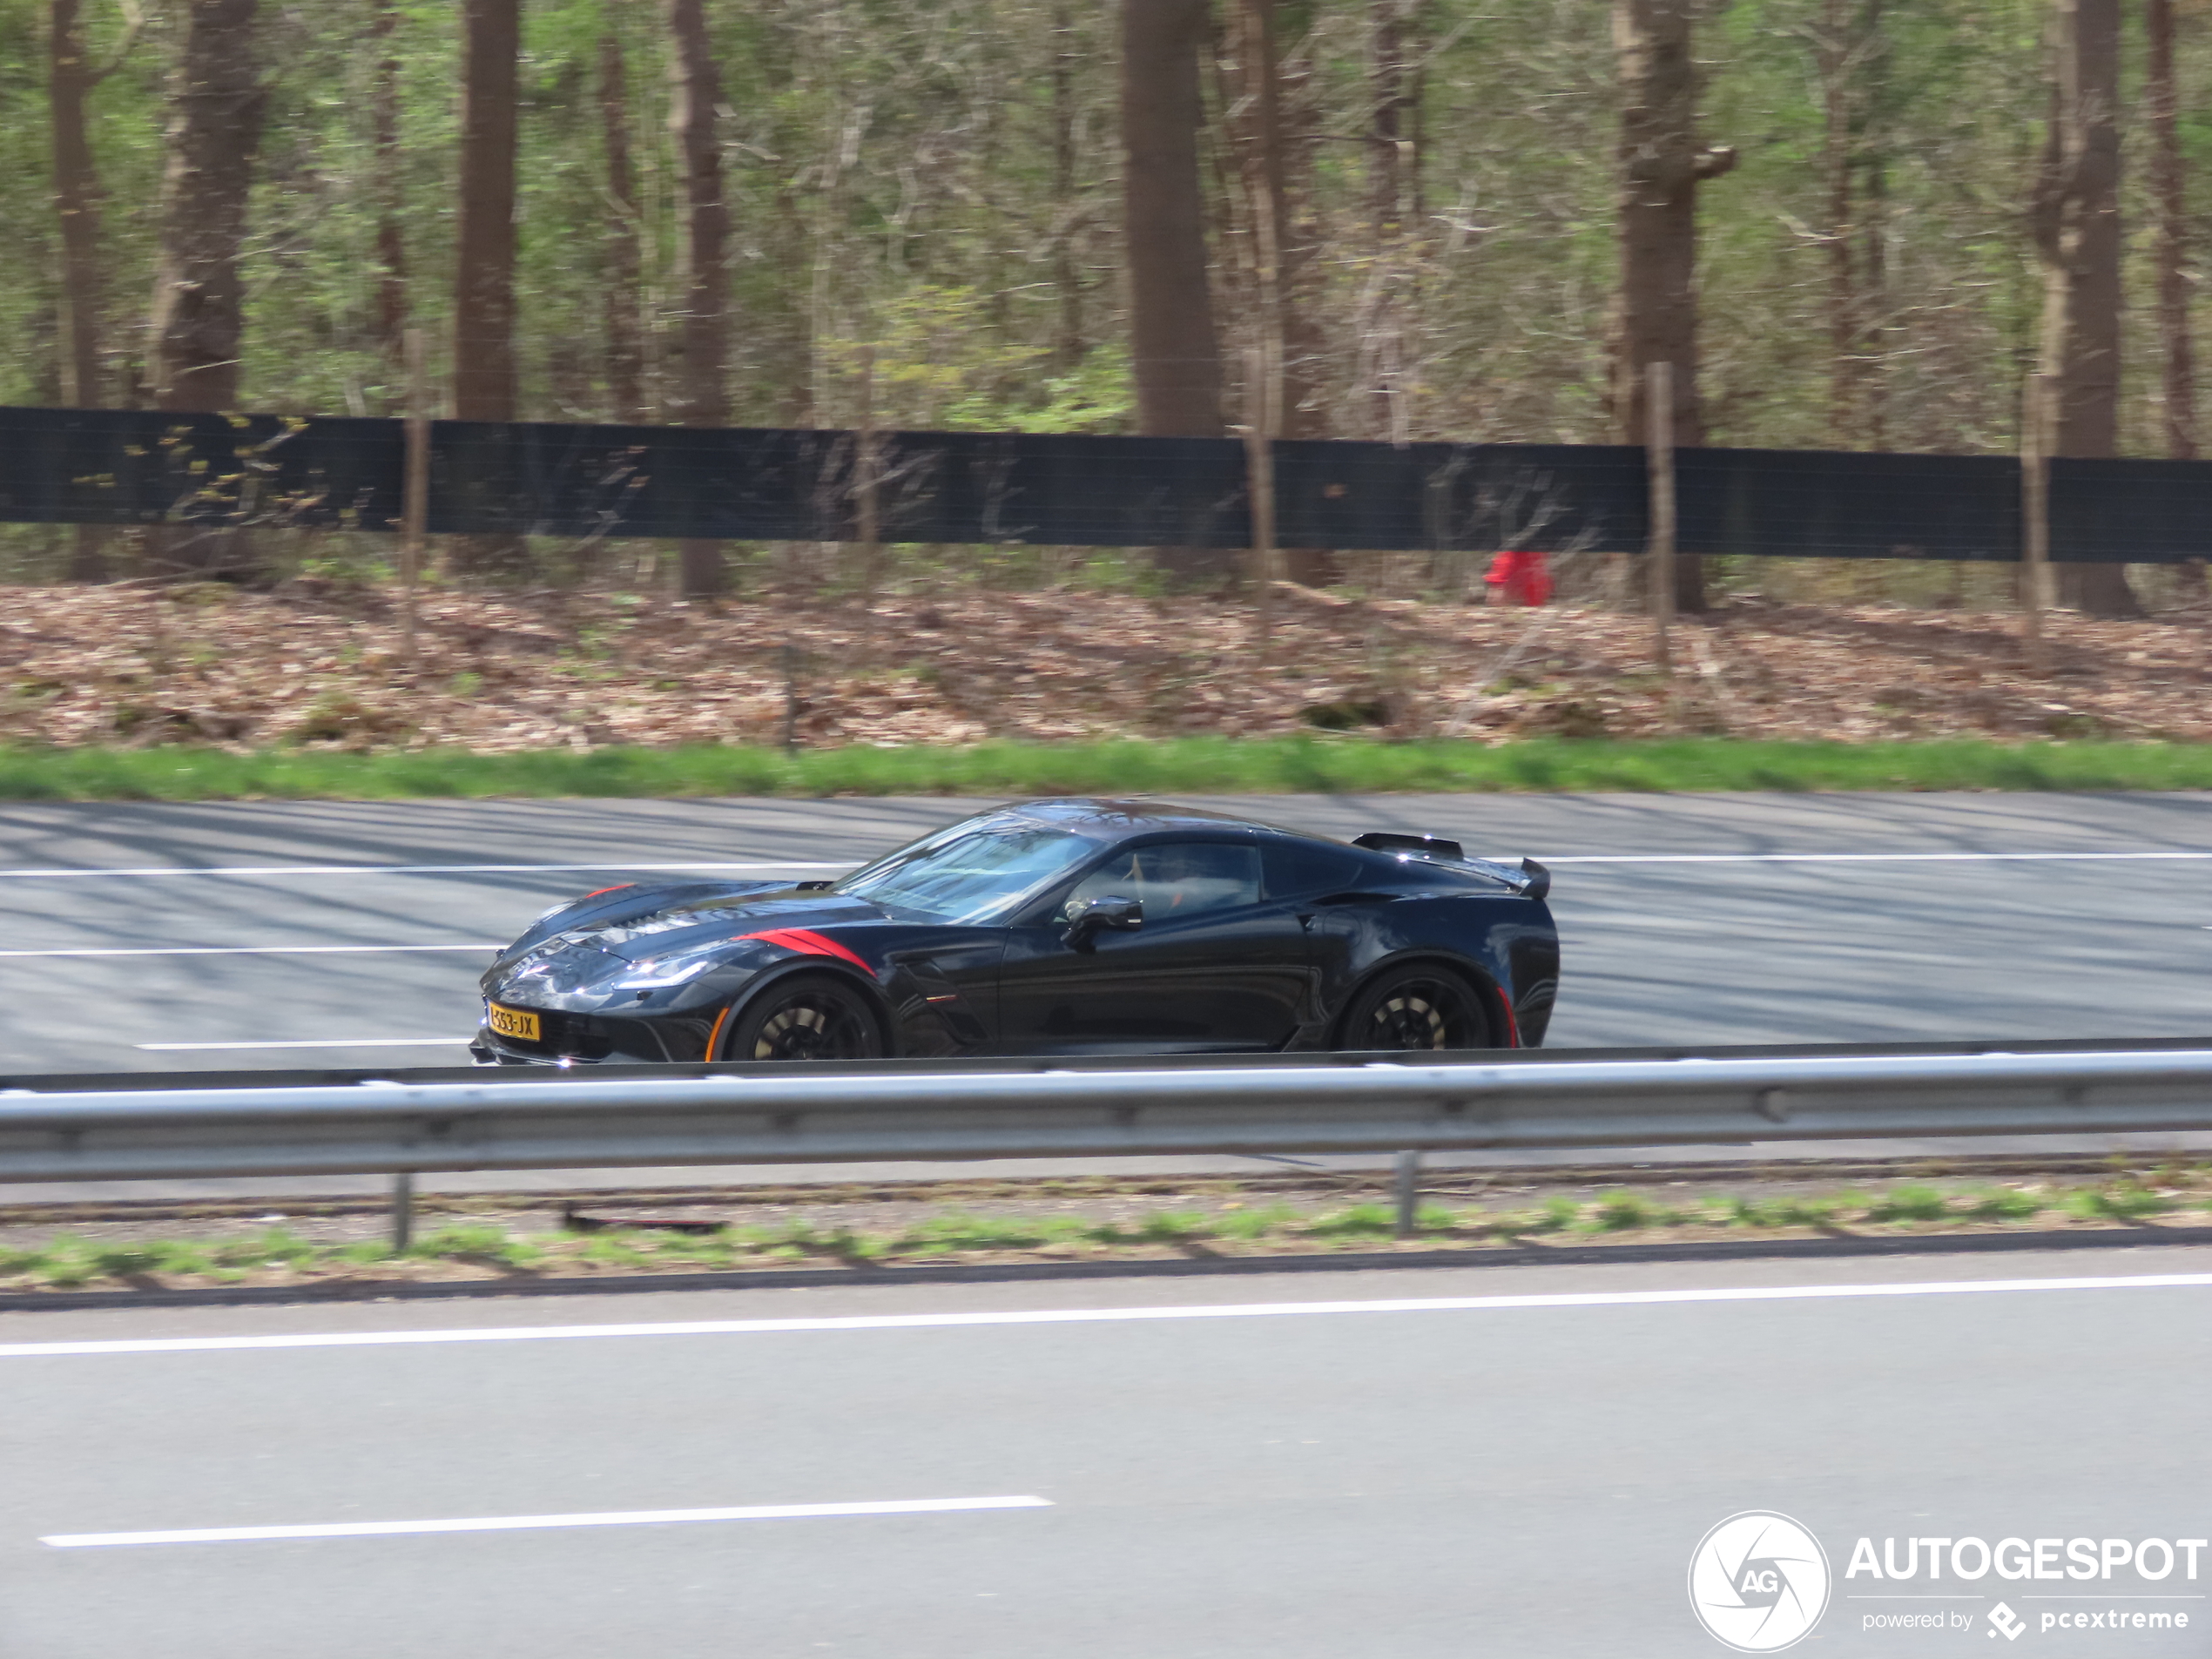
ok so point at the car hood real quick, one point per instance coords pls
(692, 923)
(602, 949)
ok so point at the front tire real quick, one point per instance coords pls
(1416, 1008)
(807, 1016)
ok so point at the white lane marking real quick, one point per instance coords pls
(1845, 858)
(540, 1523)
(610, 866)
(313, 1042)
(239, 950)
(1103, 1316)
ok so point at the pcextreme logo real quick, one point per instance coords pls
(1758, 1582)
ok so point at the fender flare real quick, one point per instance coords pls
(776, 973)
(1497, 1009)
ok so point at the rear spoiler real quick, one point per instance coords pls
(1527, 877)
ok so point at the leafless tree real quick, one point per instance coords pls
(78, 200)
(621, 284)
(483, 301)
(1176, 351)
(389, 190)
(2177, 353)
(197, 329)
(215, 134)
(2077, 230)
(1663, 162)
(699, 391)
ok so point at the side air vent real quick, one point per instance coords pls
(1391, 841)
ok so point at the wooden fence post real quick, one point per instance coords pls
(1659, 463)
(415, 498)
(2035, 520)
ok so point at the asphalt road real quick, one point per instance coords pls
(173, 937)
(357, 930)
(1527, 1474)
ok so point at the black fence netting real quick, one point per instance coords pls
(134, 467)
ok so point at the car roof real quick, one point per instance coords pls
(1109, 819)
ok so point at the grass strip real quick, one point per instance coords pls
(1213, 765)
(279, 1255)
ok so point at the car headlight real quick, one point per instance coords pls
(666, 970)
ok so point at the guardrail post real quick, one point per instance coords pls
(402, 1211)
(1407, 1190)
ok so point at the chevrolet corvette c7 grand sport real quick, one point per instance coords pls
(1046, 927)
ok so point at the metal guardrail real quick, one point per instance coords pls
(801, 1115)
(198, 1078)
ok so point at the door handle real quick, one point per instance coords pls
(1306, 920)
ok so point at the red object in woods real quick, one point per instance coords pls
(1520, 578)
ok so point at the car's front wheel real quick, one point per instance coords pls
(809, 1016)
(1416, 1007)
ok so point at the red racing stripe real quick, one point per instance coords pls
(807, 944)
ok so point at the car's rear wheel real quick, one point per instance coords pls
(1414, 1008)
(809, 1016)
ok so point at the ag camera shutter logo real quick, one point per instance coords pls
(1758, 1582)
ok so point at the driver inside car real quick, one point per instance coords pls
(1178, 879)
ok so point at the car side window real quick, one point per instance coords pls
(1176, 878)
(1295, 869)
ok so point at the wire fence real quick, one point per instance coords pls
(738, 484)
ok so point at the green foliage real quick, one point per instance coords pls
(1212, 765)
(70, 1263)
(2002, 1204)
(890, 170)
(2124, 1201)
(1909, 1203)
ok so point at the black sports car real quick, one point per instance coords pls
(1048, 927)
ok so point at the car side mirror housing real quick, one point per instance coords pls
(1087, 919)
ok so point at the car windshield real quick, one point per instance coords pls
(967, 874)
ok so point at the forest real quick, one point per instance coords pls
(937, 184)
(1883, 224)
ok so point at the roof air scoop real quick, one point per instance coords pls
(1393, 841)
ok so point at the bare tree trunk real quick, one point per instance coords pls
(1391, 58)
(483, 300)
(1873, 289)
(198, 322)
(2077, 224)
(215, 134)
(1176, 351)
(1833, 56)
(700, 377)
(391, 240)
(77, 201)
(1393, 101)
(1279, 403)
(1298, 115)
(2177, 351)
(1068, 344)
(1663, 162)
(623, 279)
(1255, 137)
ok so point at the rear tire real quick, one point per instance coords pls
(1416, 1008)
(807, 1016)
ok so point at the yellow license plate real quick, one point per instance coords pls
(512, 1022)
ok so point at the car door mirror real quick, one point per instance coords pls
(1088, 918)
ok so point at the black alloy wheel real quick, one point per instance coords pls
(809, 1016)
(1417, 1007)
